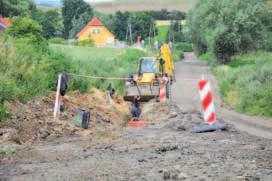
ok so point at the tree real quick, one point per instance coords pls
(120, 24)
(175, 33)
(23, 27)
(228, 27)
(10, 8)
(50, 22)
(73, 9)
(141, 25)
(78, 24)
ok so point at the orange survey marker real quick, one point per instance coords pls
(138, 124)
(163, 96)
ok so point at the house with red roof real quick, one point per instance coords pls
(4, 23)
(96, 31)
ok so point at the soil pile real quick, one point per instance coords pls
(33, 121)
(169, 115)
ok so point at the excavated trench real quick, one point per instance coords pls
(33, 146)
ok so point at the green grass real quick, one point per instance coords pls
(246, 84)
(162, 33)
(27, 69)
(106, 62)
(89, 53)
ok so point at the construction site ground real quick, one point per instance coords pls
(33, 146)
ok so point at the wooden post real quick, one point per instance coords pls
(57, 101)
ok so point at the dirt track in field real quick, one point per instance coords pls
(164, 150)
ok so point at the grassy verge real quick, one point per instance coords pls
(162, 33)
(246, 83)
(107, 62)
(27, 69)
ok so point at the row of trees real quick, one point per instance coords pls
(51, 21)
(164, 14)
(228, 27)
(140, 24)
(75, 14)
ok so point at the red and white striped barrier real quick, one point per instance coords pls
(163, 96)
(207, 101)
(58, 99)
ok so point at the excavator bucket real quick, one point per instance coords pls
(146, 92)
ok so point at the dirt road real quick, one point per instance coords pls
(165, 150)
(186, 94)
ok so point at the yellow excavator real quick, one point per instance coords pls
(152, 72)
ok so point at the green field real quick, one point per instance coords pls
(139, 5)
(89, 54)
(106, 62)
(162, 33)
(142, 5)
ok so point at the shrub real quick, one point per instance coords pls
(248, 87)
(229, 27)
(27, 70)
(181, 55)
(23, 27)
(8, 91)
(85, 43)
(185, 47)
(204, 57)
(58, 40)
(178, 55)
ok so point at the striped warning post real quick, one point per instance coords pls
(207, 101)
(163, 96)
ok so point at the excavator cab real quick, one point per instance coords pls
(148, 69)
(151, 72)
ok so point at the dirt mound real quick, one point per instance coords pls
(33, 121)
(170, 115)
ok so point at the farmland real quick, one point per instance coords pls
(101, 62)
(140, 5)
(131, 5)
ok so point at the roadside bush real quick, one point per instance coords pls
(247, 84)
(226, 28)
(27, 70)
(181, 55)
(185, 47)
(85, 43)
(204, 57)
(24, 27)
(58, 40)
(178, 55)
(8, 91)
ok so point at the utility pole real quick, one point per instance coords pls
(129, 33)
(152, 32)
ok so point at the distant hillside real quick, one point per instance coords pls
(48, 3)
(136, 5)
(110, 6)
